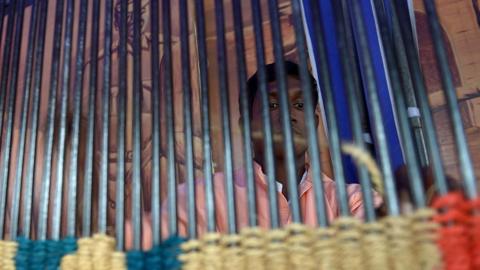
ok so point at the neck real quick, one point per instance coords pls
(281, 170)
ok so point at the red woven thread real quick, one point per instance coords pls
(454, 240)
(475, 233)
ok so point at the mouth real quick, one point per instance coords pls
(298, 138)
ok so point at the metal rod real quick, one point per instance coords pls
(37, 83)
(89, 155)
(137, 120)
(285, 111)
(371, 87)
(122, 94)
(205, 108)
(245, 112)
(89, 142)
(349, 64)
(23, 121)
(225, 112)
(107, 76)
(77, 99)
(2, 15)
(354, 72)
(6, 59)
(411, 157)
(7, 142)
(155, 63)
(168, 83)
(267, 124)
(400, 13)
(325, 82)
(466, 166)
(187, 117)
(334, 136)
(407, 88)
(47, 164)
(67, 51)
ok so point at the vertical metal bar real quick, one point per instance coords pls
(89, 143)
(205, 107)
(370, 85)
(347, 58)
(407, 88)
(325, 82)
(285, 111)
(267, 124)
(5, 166)
(400, 13)
(77, 99)
(187, 117)
(37, 83)
(6, 59)
(2, 15)
(393, 64)
(466, 166)
(122, 86)
(245, 112)
(23, 121)
(137, 125)
(67, 51)
(47, 164)
(155, 63)
(225, 111)
(107, 66)
(347, 30)
(168, 83)
(334, 137)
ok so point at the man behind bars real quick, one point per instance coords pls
(306, 192)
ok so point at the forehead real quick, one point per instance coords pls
(294, 86)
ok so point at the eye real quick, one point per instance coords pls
(273, 105)
(298, 105)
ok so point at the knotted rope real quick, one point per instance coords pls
(191, 257)
(398, 231)
(211, 250)
(8, 250)
(324, 250)
(425, 233)
(276, 255)
(348, 248)
(452, 215)
(374, 246)
(253, 244)
(232, 252)
(299, 247)
(475, 232)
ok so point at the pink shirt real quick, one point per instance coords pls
(306, 196)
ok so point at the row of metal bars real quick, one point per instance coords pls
(403, 68)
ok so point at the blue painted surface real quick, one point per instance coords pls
(336, 75)
(381, 76)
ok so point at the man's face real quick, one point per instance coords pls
(297, 117)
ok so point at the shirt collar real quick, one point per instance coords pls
(302, 182)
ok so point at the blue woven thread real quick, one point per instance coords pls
(69, 245)
(162, 257)
(135, 260)
(153, 258)
(22, 258)
(171, 250)
(55, 252)
(38, 255)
